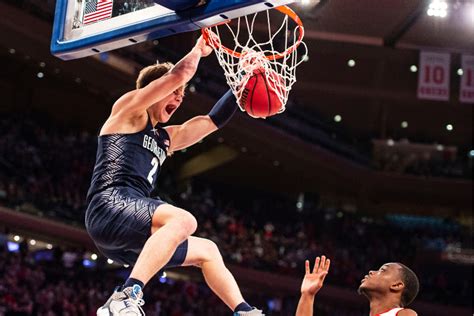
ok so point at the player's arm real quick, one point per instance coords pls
(312, 283)
(137, 101)
(407, 312)
(195, 129)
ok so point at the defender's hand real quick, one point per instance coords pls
(202, 45)
(313, 281)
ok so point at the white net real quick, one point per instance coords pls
(276, 52)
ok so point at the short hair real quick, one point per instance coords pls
(412, 285)
(153, 72)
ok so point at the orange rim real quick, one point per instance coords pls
(213, 40)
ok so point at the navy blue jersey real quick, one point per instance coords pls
(130, 160)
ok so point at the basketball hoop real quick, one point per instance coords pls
(250, 53)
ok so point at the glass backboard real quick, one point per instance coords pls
(87, 27)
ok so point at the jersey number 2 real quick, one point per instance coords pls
(154, 163)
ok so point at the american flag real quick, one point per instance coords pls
(97, 10)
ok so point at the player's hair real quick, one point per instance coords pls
(412, 285)
(153, 72)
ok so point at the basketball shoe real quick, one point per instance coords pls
(253, 312)
(126, 302)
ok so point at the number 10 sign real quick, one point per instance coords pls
(433, 80)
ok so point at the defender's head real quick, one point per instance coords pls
(165, 108)
(391, 279)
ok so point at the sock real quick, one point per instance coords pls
(243, 307)
(131, 282)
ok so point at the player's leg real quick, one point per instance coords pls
(170, 227)
(205, 254)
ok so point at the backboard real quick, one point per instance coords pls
(87, 27)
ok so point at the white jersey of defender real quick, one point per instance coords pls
(392, 312)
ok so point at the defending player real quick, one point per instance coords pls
(389, 290)
(126, 224)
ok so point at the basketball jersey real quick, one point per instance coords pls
(130, 160)
(392, 312)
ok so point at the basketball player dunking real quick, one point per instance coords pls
(125, 222)
(389, 290)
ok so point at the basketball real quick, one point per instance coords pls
(259, 99)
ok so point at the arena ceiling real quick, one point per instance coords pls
(398, 24)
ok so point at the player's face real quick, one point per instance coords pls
(170, 104)
(382, 279)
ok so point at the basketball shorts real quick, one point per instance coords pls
(119, 220)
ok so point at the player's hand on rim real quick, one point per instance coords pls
(313, 281)
(202, 45)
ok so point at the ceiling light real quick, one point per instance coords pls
(40, 75)
(449, 127)
(460, 72)
(413, 68)
(438, 8)
(471, 153)
(42, 64)
(12, 51)
(16, 238)
(439, 147)
(404, 124)
(94, 256)
(471, 13)
(49, 246)
(390, 142)
(32, 242)
(337, 118)
(351, 63)
(110, 261)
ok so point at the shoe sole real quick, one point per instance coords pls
(103, 311)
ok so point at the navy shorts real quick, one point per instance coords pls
(119, 220)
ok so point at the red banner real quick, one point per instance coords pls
(433, 79)
(466, 94)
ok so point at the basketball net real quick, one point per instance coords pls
(245, 57)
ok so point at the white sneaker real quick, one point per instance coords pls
(253, 312)
(125, 302)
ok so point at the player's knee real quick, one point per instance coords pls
(211, 250)
(187, 224)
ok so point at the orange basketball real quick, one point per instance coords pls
(259, 99)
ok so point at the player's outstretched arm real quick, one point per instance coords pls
(312, 283)
(137, 101)
(195, 129)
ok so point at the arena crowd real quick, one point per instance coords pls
(45, 170)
